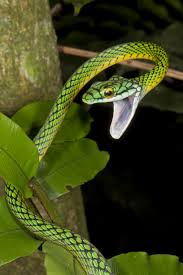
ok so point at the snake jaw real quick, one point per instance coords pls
(123, 112)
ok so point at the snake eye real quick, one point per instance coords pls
(108, 92)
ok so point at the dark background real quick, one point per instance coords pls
(135, 203)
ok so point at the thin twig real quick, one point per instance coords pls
(130, 63)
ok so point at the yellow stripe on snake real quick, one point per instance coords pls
(125, 95)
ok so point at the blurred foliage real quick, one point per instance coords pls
(165, 99)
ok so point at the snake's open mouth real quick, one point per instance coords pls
(123, 112)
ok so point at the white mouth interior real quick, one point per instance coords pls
(123, 112)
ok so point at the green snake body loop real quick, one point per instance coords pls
(107, 58)
(89, 257)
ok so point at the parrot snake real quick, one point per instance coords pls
(125, 95)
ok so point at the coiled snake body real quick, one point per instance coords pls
(125, 95)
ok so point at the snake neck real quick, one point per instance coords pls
(92, 67)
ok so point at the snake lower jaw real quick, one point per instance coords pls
(123, 112)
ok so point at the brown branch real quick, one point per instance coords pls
(130, 63)
(43, 204)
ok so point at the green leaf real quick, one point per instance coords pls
(176, 4)
(164, 99)
(78, 4)
(71, 164)
(120, 13)
(172, 43)
(75, 126)
(159, 10)
(32, 116)
(140, 263)
(18, 155)
(14, 241)
(60, 261)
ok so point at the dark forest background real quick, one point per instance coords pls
(135, 203)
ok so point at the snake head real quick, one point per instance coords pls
(125, 95)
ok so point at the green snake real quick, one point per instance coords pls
(125, 95)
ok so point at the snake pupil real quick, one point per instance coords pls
(108, 92)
